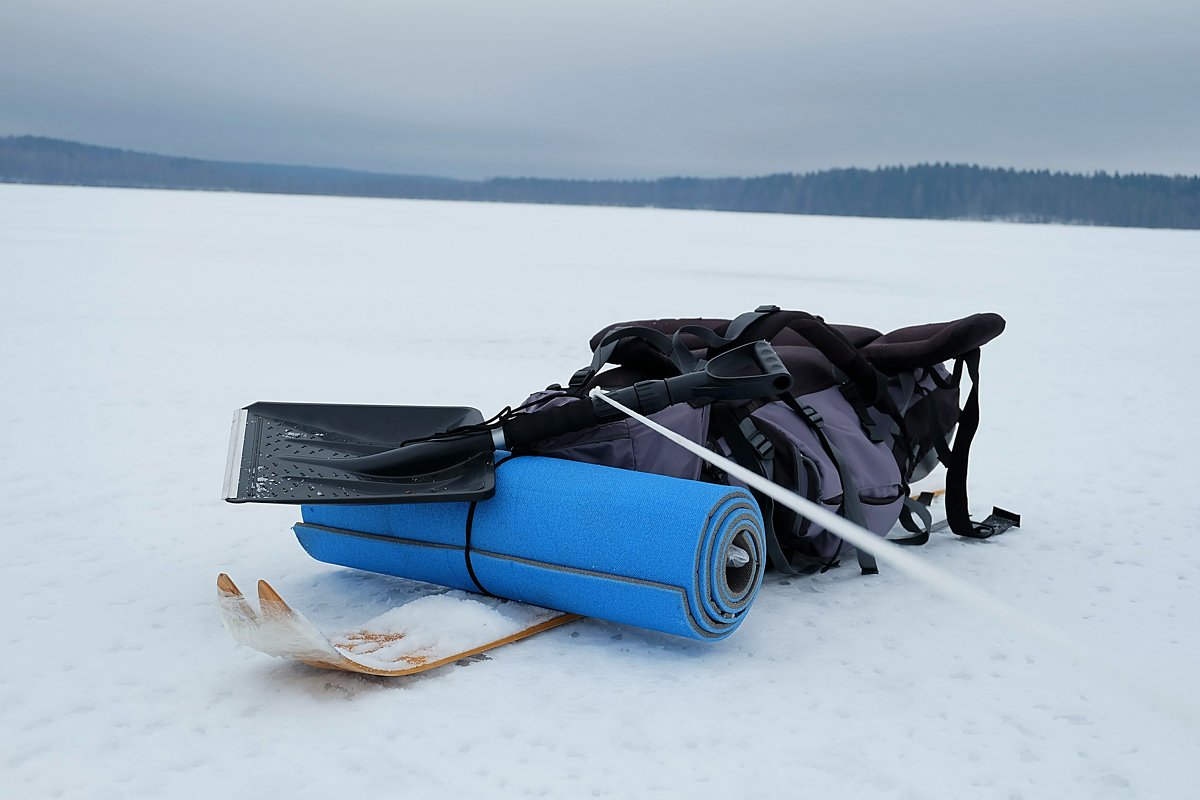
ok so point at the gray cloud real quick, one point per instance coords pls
(614, 89)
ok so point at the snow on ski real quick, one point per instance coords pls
(422, 635)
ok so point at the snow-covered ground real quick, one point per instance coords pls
(134, 322)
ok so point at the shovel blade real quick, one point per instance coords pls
(267, 437)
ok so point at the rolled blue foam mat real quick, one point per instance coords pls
(672, 555)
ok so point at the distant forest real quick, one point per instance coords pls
(929, 191)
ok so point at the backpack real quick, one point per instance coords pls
(867, 414)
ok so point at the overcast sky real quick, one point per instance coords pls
(614, 88)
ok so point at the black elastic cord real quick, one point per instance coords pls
(469, 527)
(497, 420)
(467, 549)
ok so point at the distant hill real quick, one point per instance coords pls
(929, 191)
(35, 159)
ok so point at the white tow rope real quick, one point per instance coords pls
(1178, 708)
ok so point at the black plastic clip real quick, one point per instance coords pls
(581, 377)
(812, 415)
(757, 439)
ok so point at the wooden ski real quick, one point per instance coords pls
(278, 630)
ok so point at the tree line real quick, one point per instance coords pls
(928, 191)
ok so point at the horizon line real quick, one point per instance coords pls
(349, 170)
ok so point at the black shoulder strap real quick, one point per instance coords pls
(753, 450)
(851, 503)
(580, 382)
(956, 460)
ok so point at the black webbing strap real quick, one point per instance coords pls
(903, 447)
(468, 528)
(744, 321)
(673, 348)
(956, 460)
(860, 383)
(871, 429)
(875, 431)
(851, 507)
(915, 518)
(753, 450)
(657, 340)
(831, 343)
(716, 343)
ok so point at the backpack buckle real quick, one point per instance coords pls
(757, 439)
(580, 377)
(762, 445)
(812, 415)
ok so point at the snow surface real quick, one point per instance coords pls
(135, 322)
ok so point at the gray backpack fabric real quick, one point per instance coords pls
(868, 413)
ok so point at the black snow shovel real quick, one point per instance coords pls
(303, 453)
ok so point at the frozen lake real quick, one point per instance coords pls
(135, 322)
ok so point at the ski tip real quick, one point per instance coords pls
(269, 599)
(236, 611)
(227, 587)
